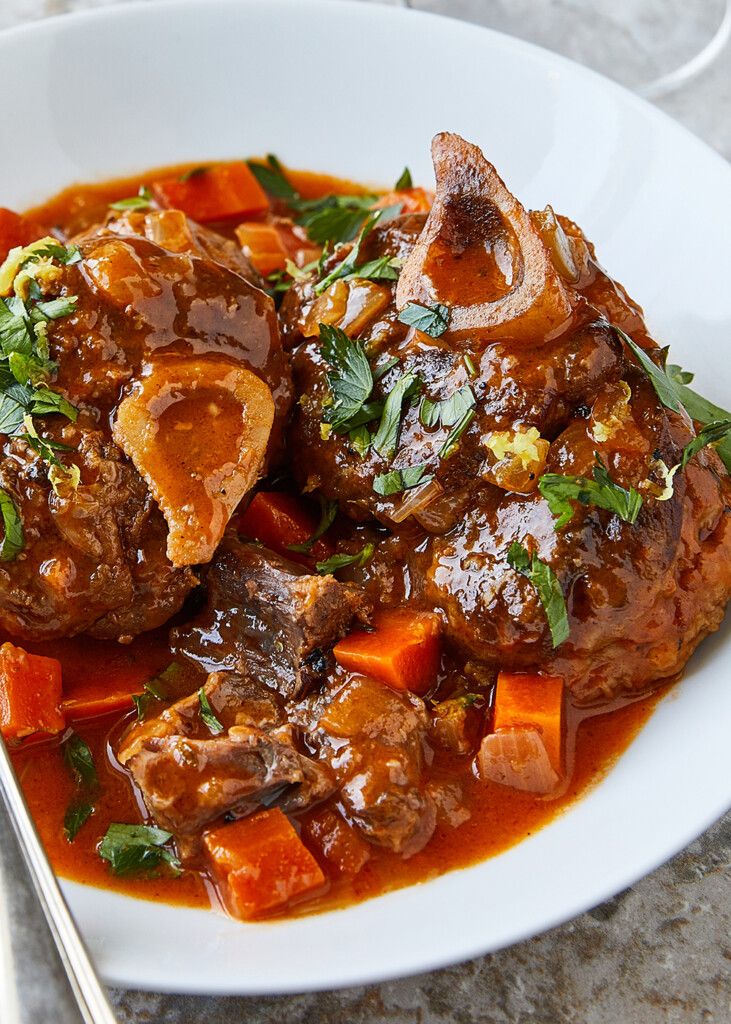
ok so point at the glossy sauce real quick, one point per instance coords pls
(490, 818)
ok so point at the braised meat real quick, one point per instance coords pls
(267, 617)
(171, 360)
(527, 377)
(375, 741)
(189, 775)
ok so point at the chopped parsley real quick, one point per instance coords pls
(712, 433)
(272, 178)
(431, 320)
(398, 480)
(335, 562)
(404, 180)
(665, 387)
(80, 763)
(547, 586)
(601, 491)
(137, 848)
(455, 434)
(384, 268)
(333, 218)
(386, 439)
(142, 201)
(156, 689)
(328, 512)
(349, 378)
(348, 267)
(448, 411)
(13, 540)
(208, 715)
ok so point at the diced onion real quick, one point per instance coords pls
(417, 500)
(517, 758)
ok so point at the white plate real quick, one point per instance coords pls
(359, 90)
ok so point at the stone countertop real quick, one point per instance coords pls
(658, 953)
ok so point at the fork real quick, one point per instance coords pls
(70, 990)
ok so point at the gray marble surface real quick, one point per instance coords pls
(660, 952)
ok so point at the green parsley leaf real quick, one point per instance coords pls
(601, 491)
(328, 512)
(13, 541)
(194, 172)
(135, 848)
(54, 309)
(335, 562)
(348, 266)
(142, 201)
(678, 374)
(333, 218)
(382, 370)
(77, 814)
(385, 268)
(64, 254)
(350, 379)
(29, 369)
(665, 388)
(360, 438)
(45, 402)
(705, 412)
(272, 179)
(386, 440)
(15, 333)
(79, 761)
(454, 435)
(398, 480)
(155, 689)
(547, 586)
(712, 433)
(404, 180)
(431, 320)
(14, 402)
(208, 715)
(448, 411)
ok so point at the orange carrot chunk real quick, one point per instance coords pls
(535, 701)
(16, 230)
(261, 864)
(263, 245)
(30, 693)
(279, 520)
(215, 193)
(403, 650)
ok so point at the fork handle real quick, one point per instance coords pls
(66, 985)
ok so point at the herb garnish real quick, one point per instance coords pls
(665, 387)
(384, 268)
(404, 180)
(712, 433)
(142, 201)
(80, 763)
(547, 586)
(701, 410)
(601, 491)
(398, 480)
(208, 715)
(348, 267)
(132, 848)
(431, 320)
(385, 441)
(272, 179)
(328, 512)
(13, 541)
(454, 435)
(333, 218)
(335, 562)
(194, 172)
(155, 689)
(448, 411)
(349, 378)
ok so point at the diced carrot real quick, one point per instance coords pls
(30, 693)
(342, 848)
(412, 200)
(262, 244)
(535, 701)
(517, 758)
(16, 230)
(95, 697)
(403, 650)
(261, 864)
(216, 193)
(278, 520)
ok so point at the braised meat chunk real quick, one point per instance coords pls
(191, 770)
(146, 391)
(267, 617)
(375, 741)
